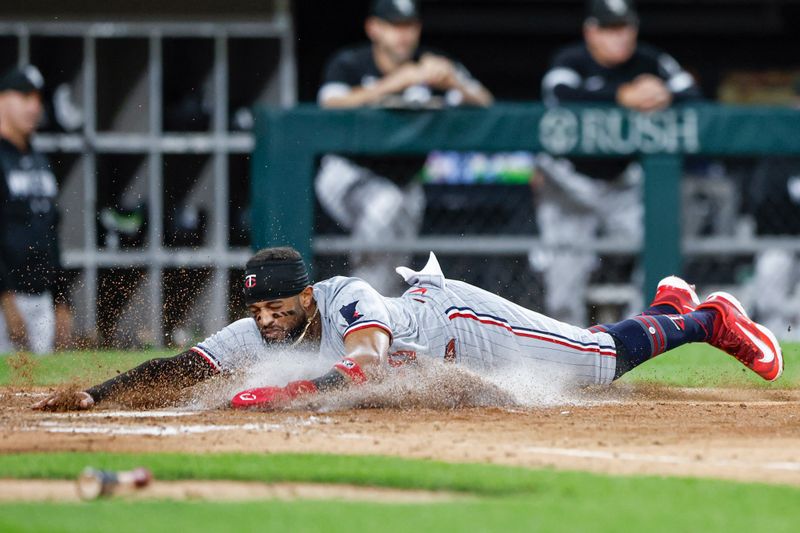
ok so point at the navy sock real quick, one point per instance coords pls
(645, 336)
(653, 310)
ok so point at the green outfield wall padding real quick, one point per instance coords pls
(289, 141)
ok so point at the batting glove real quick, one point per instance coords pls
(269, 398)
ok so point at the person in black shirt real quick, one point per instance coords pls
(375, 198)
(394, 69)
(580, 199)
(31, 278)
(610, 65)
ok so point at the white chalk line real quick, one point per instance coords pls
(161, 430)
(664, 459)
(155, 431)
(124, 414)
(790, 466)
(354, 436)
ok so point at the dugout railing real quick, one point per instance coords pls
(289, 142)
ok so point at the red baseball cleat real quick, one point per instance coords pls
(734, 333)
(676, 293)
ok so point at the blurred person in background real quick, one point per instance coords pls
(774, 197)
(377, 201)
(580, 200)
(35, 315)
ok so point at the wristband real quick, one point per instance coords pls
(350, 368)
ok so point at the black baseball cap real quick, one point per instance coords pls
(25, 79)
(395, 11)
(612, 13)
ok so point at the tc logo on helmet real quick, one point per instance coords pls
(250, 281)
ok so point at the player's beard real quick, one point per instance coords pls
(292, 334)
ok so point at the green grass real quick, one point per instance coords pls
(502, 498)
(510, 499)
(700, 365)
(83, 367)
(694, 365)
(358, 470)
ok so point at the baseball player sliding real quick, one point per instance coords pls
(359, 331)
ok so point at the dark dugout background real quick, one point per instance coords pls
(507, 43)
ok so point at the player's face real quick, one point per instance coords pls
(398, 41)
(279, 321)
(21, 112)
(613, 45)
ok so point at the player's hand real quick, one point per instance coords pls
(645, 94)
(67, 401)
(271, 398)
(405, 76)
(439, 72)
(654, 92)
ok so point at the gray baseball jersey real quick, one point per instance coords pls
(439, 318)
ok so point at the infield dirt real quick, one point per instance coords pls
(743, 434)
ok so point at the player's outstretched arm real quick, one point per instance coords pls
(363, 348)
(178, 372)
